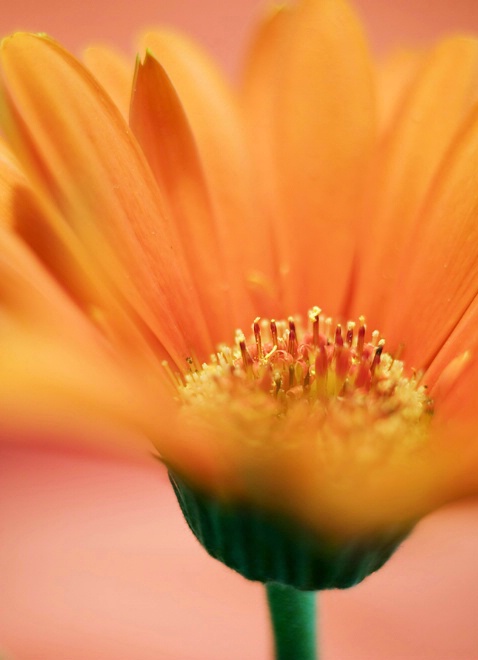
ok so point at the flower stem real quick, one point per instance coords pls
(293, 615)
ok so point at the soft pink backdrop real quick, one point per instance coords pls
(95, 560)
(222, 25)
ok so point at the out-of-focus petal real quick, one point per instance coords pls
(345, 493)
(453, 374)
(258, 106)
(24, 212)
(417, 140)
(455, 392)
(57, 370)
(438, 271)
(15, 198)
(114, 72)
(395, 74)
(82, 154)
(314, 77)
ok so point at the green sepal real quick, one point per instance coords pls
(269, 548)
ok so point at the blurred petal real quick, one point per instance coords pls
(114, 72)
(15, 196)
(394, 78)
(315, 72)
(439, 266)
(258, 106)
(409, 157)
(453, 373)
(343, 493)
(57, 371)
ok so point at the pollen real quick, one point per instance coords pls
(322, 383)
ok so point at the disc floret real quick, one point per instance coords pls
(338, 377)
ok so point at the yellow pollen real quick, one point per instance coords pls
(325, 382)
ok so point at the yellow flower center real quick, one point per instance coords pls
(332, 385)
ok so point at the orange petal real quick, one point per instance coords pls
(438, 272)
(315, 76)
(15, 196)
(394, 76)
(77, 147)
(56, 370)
(46, 233)
(259, 106)
(453, 374)
(114, 72)
(409, 156)
(213, 114)
(454, 388)
(161, 127)
(24, 212)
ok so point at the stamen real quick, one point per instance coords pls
(292, 343)
(361, 335)
(343, 363)
(291, 376)
(174, 379)
(257, 335)
(376, 359)
(274, 332)
(314, 315)
(339, 341)
(321, 362)
(247, 360)
(317, 378)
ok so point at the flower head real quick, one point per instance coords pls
(133, 248)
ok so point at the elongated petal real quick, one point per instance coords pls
(259, 104)
(394, 77)
(438, 277)
(453, 374)
(316, 75)
(455, 394)
(15, 197)
(213, 114)
(26, 214)
(114, 72)
(77, 147)
(161, 127)
(409, 156)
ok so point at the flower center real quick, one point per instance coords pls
(292, 383)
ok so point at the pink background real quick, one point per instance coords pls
(95, 560)
(222, 25)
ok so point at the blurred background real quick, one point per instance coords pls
(95, 559)
(223, 25)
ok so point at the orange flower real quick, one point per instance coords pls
(130, 252)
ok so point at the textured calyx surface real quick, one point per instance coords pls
(292, 383)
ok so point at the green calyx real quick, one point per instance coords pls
(269, 548)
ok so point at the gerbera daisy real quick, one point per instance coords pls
(161, 270)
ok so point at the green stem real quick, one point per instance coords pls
(293, 615)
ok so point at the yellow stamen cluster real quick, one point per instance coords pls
(326, 383)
